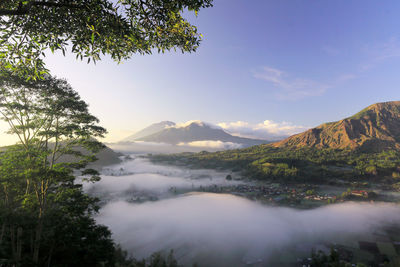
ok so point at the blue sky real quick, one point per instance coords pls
(291, 62)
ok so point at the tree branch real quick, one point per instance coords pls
(24, 10)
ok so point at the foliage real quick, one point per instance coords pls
(48, 116)
(298, 164)
(45, 218)
(92, 28)
(157, 259)
(320, 259)
(310, 192)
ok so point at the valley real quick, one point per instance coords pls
(236, 221)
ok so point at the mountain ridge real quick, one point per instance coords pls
(154, 128)
(374, 128)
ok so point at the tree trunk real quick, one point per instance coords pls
(32, 241)
(13, 246)
(38, 237)
(3, 229)
(50, 254)
(19, 245)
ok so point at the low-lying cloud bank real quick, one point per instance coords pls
(212, 144)
(266, 130)
(152, 147)
(140, 177)
(225, 230)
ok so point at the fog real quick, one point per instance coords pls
(220, 229)
(151, 147)
(212, 144)
(230, 230)
(138, 179)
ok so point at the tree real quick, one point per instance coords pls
(56, 134)
(93, 28)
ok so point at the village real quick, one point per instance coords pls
(299, 195)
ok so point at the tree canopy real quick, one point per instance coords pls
(93, 28)
(38, 189)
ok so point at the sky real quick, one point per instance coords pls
(277, 65)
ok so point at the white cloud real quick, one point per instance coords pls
(198, 122)
(212, 144)
(267, 130)
(144, 143)
(291, 89)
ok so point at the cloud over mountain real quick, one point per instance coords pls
(195, 122)
(212, 144)
(266, 130)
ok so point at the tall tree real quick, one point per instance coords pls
(93, 27)
(56, 134)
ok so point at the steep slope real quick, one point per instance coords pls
(375, 128)
(197, 131)
(105, 156)
(152, 129)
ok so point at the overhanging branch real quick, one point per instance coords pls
(24, 9)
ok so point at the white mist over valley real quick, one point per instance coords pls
(151, 208)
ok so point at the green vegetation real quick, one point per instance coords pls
(320, 259)
(155, 260)
(302, 165)
(45, 217)
(92, 28)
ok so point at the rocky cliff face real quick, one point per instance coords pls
(375, 128)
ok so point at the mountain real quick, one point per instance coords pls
(105, 156)
(196, 131)
(152, 129)
(375, 128)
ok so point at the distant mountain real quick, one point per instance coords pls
(375, 128)
(105, 156)
(197, 131)
(152, 129)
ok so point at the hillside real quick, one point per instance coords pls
(375, 128)
(105, 156)
(197, 131)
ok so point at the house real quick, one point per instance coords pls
(359, 193)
